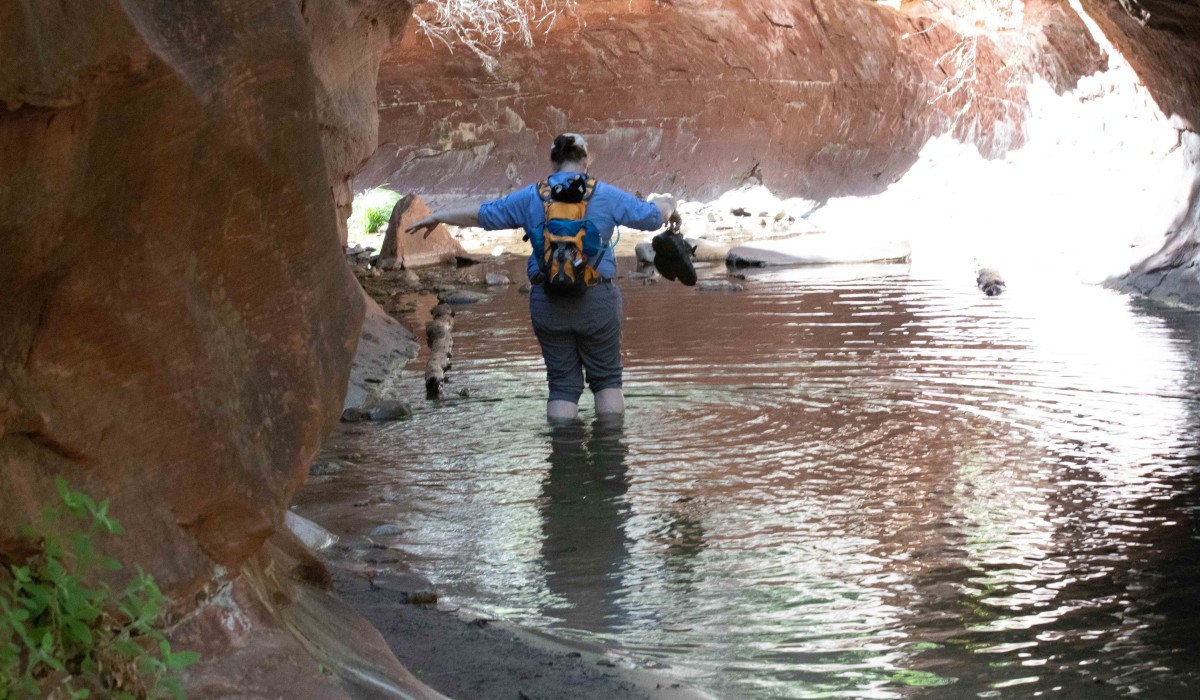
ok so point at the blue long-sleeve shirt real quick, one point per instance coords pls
(609, 207)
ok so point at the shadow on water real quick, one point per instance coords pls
(842, 482)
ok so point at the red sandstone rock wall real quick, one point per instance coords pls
(824, 98)
(178, 319)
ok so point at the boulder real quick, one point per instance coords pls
(708, 251)
(644, 253)
(817, 249)
(384, 345)
(418, 250)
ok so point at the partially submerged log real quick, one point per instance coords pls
(438, 337)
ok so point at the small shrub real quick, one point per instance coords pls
(372, 209)
(57, 632)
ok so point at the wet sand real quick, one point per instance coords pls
(467, 657)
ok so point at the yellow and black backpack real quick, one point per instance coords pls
(568, 243)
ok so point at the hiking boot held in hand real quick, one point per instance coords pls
(673, 256)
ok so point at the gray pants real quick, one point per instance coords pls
(579, 334)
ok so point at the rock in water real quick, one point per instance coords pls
(990, 281)
(644, 253)
(324, 468)
(389, 411)
(718, 286)
(493, 279)
(311, 534)
(461, 296)
(356, 414)
(707, 251)
(819, 249)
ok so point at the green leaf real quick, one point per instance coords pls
(79, 631)
(61, 484)
(183, 659)
(80, 694)
(110, 564)
(126, 648)
(174, 687)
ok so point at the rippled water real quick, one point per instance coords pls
(842, 482)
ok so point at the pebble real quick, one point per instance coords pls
(525, 288)
(497, 251)
(497, 280)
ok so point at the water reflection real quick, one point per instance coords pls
(839, 483)
(584, 512)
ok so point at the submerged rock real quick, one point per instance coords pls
(493, 279)
(324, 468)
(461, 296)
(380, 412)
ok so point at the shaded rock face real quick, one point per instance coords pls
(178, 318)
(1161, 41)
(819, 99)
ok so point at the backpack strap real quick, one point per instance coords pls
(543, 190)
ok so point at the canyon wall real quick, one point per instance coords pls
(178, 318)
(1161, 41)
(817, 99)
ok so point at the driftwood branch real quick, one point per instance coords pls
(438, 337)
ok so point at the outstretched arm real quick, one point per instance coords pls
(463, 216)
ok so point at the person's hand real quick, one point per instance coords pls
(429, 223)
(665, 204)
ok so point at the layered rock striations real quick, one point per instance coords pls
(178, 318)
(816, 99)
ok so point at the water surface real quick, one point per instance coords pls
(843, 482)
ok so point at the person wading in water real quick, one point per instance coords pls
(574, 303)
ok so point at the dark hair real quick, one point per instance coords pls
(567, 149)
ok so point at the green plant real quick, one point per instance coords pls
(372, 209)
(58, 636)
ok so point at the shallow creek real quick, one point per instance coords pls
(841, 482)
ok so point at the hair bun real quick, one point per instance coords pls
(568, 147)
